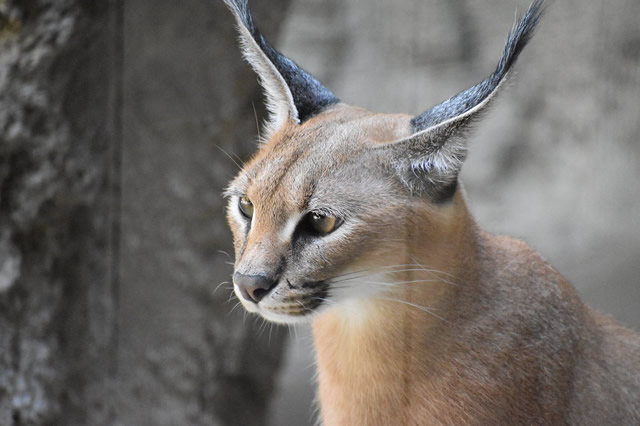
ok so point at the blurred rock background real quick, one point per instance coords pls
(117, 123)
(113, 119)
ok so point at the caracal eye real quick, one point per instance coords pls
(246, 207)
(323, 224)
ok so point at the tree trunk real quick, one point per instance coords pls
(59, 135)
(107, 307)
(183, 359)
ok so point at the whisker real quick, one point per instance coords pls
(234, 308)
(325, 300)
(400, 282)
(255, 116)
(342, 280)
(347, 274)
(419, 268)
(345, 284)
(304, 308)
(422, 308)
(220, 285)
(416, 269)
(230, 157)
(351, 273)
(356, 275)
(263, 327)
(231, 296)
(441, 272)
(225, 253)
(417, 265)
(430, 272)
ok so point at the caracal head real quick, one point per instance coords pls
(317, 212)
(322, 214)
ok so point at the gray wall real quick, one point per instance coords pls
(112, 230)
(59, 137)
(183, 358)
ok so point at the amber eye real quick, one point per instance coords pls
(246, 207)
(323, 224)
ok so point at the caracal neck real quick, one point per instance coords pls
(369, 352)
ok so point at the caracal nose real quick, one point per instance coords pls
(253, 287)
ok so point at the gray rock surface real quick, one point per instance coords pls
(56, 135)
(111, 219)
(183, 358)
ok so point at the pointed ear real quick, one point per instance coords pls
(293, 95)
(430, 159)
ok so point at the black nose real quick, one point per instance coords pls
(253, 287)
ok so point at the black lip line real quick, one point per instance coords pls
(318, 298)
(311, 302)
(312, 284)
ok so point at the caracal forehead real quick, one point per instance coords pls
(327, 147)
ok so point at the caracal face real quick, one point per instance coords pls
(324, 215)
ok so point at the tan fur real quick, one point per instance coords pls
(512, 343)
(419, 317)
(483, 363)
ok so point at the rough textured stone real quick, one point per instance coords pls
(108, 314)
(56, 109)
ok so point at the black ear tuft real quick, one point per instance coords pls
(473, 97)
(308, 95)
(429, 160)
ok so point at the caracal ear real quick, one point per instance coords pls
(293, 95)
(429, 160)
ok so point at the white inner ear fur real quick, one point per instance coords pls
(477, 108)
(448, 159)
(279, 98)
